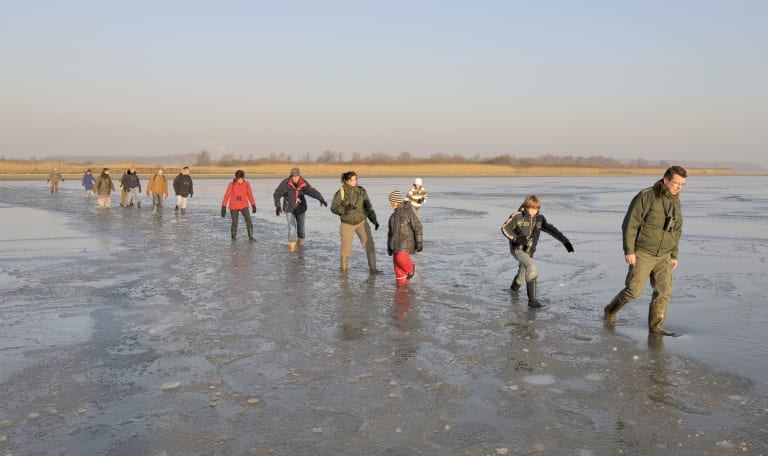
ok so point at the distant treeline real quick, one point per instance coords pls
(203, 158)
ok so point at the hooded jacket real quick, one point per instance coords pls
(293, 195)
(405, 230)
(158, 184)
(238, 195)
(104, 185)
(352, 205)
(131, 180)
(523, 231)
(88, 181)
(650, 211)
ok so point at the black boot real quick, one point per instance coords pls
(250, 234)
(234, 235)
(183, 211)
(533, 303)
(176, 209)
(515, 286)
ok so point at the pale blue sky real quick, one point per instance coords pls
(673, 80)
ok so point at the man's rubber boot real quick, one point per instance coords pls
(138, 204)
(533, 303)
(610, 311)
(176, 209)
(515, 286)
(656, 314)
(344, 263)
(183, 211)
(300, 241)
(292, 246)
(250, 234)
(372, 263)
(234, 235)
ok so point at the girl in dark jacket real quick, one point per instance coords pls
(239, 196)
(522, 229)
(404, 237)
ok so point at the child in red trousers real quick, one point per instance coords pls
(404, 237)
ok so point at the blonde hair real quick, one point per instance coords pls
(532, 201)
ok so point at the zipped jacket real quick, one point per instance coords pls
(104, 185)
(88, 181)
(523, 231)
(131, 180)
(293, 195)
(653, 223)
(238, 196)
(158, 184)
(352, 205)
(405, 230)
(182, 185)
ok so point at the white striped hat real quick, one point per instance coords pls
(396, 197)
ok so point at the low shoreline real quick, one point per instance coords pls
(280, 170)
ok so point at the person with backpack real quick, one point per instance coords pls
(354, 208)
(158, 188)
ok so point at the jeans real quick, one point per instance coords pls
(295, 225)
(527, 266)
(132, 196)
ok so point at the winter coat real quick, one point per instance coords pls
(158, 184)
(182, 185)
(352, 205)
(523, 232)
(293, 195)
(88, 181)
(417, 197)
(54, 176)
(104, 185)
(239, 196)
(131, 180)
(644, 224)
(405, 230)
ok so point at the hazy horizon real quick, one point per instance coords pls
(680, 81)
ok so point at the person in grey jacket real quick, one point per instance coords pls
(132, 187)
(523, 228)
(651, 232)
(405, 236)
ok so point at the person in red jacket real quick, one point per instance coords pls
(239, 196)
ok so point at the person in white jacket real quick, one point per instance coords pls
(417, 196)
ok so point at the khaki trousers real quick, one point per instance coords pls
(363, 231)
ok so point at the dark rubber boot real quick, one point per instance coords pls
(610, 311)
(234, 235)
(250, 234)
(515, 286)
(656, 315)
(533, 303)
(183, 211)
(176, 209)
(372, 263)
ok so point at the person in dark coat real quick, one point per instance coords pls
(405, 236)
(523, 228)
(292, 190)
(182, 186)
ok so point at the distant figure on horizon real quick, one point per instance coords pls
(417, 196)
(54, 178)
(403, 237)
(158, 188)
(352, 205)
(132, 188)
(238, 196)
(651, 234)
(292, 190)
(104, 188)
(182, 187)
(88, 182)
(523, 228)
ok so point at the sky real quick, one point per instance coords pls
(659, 80)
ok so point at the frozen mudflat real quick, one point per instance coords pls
(127, 333)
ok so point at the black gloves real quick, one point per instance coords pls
(323, 203)
(253, 207)
(376, 225)
(223, 211)
(419, 246)
(389, 251)
(568, 247)
(278, 211)
(420, 200)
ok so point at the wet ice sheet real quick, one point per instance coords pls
(281, 354)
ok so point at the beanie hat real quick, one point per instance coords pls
(396, 197)
(417, 181)
(295, 172)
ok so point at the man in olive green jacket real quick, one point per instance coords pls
(354, 208)
(651, 231)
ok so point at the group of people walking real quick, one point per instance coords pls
(651, 228)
